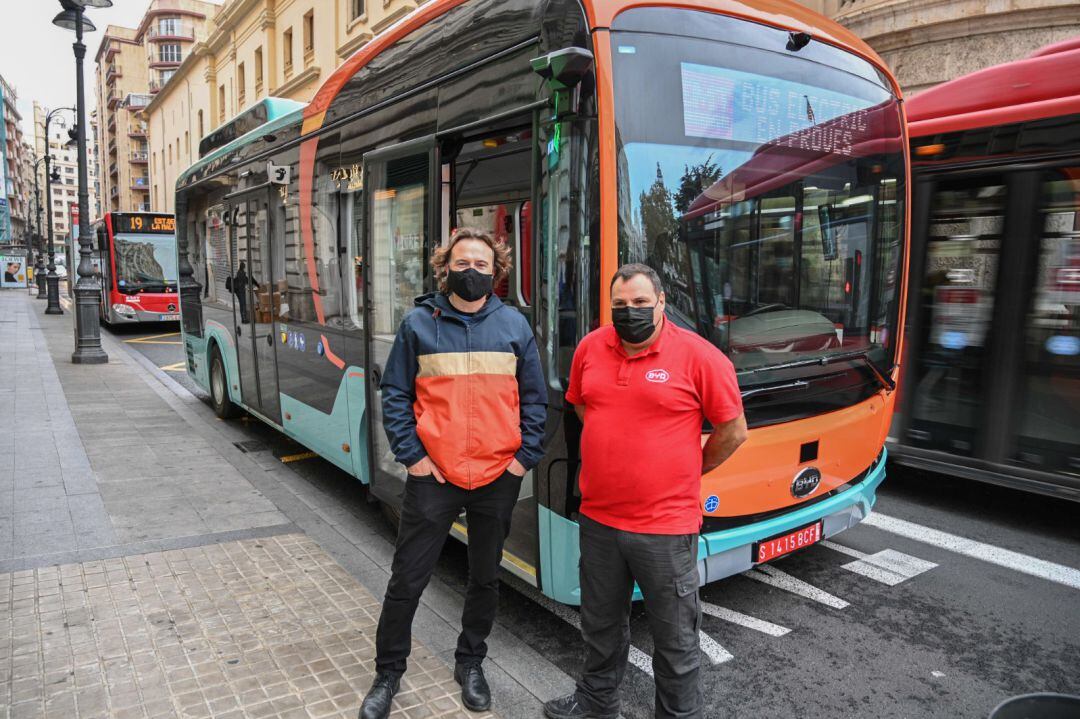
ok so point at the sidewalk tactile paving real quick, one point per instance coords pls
(269, 627)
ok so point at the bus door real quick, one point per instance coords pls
(400, 215)
(255, 301)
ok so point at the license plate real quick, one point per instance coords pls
(790, 542)
(170, 318)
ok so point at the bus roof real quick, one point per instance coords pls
(785, 14)
(1044, 84)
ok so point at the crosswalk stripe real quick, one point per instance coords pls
(768, 574)
(744, 620)
(1058, 573)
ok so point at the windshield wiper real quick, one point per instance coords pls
(883, 379)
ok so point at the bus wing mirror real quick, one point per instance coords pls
(101, 239)
(563, 70)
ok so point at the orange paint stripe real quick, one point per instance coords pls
(308, 148)
(334, 359)
(609, 209)
(315, 112)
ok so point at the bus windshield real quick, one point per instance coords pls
(766, 187)
(145, 262)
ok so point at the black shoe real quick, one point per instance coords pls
(475, 693)
(569, 707)
(377, 702)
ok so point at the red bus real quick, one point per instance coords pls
(136, 256)
(991, 385)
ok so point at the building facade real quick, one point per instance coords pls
(927, 42)
(64, 163)
(14, 190)
(254, 49)
(132, 65)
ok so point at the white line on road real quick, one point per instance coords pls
(712, 649)
(744, 620)
(767, 574)
(887, 566)
(1049, 571)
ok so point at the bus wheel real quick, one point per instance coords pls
(219, 388)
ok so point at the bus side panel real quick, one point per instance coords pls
(319, 431)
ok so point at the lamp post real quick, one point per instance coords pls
(52, 280)
(39, 267)
(88, 288)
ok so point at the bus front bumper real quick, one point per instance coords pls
(722, 554)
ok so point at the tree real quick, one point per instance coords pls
(658, 219)
(696, 180)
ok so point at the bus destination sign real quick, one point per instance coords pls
(143, 223)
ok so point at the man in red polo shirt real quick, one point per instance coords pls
(643, 388)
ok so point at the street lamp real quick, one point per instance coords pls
(39, 267)
(52, 281)
(88, 289)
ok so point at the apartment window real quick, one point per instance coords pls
(221, 104)
(169, 26)
(309, 38)
(258, 73)
(287, 52)
(169, 53)
(187, 143)
(241, 82)
(359, 7)
(201, 133)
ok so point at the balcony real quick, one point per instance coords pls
(140, 157)
(114, 170)
(115, 191)
(112, 147)
(137, 130)
(142, 207)
(140, 183)
(137, 100)
(171, 31)
(114, 71)
(112, 98)
(164, 59)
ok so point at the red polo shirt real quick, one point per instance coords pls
(641, 444)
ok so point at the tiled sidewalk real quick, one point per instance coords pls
(268, 627)
(148, 568)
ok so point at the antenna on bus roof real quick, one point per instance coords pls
(798, 40)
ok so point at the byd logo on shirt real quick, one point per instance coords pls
(657, 375)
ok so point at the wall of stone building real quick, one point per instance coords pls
(927, 42)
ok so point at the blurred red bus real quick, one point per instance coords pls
(136, 256)
(991, 387)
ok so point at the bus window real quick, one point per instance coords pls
(508, 223)
(956, 305)
(1050, 410)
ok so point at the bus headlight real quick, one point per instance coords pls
(124, 310)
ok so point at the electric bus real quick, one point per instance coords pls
(992, 385)
(753, 152)
(136, 258)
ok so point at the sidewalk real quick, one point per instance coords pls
(149, 567)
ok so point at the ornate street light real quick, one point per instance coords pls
(52, 280)
(88, 288)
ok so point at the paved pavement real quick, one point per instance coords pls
(955, 597)
(155, 561)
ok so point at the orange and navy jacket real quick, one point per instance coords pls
(467, 391)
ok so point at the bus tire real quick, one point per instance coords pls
(219, 388)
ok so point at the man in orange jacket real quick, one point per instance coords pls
(464, 404)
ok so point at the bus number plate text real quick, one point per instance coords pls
(779, 546)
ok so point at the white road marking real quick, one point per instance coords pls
(712, 649)
(887, 566)
(767, 574)
(1059, 573)
(744, 620)
(843, 550)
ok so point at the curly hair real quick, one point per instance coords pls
(440, 259)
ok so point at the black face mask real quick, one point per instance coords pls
(470, 285)
(633, 324)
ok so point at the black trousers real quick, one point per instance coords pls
(429, 510)
(665, 568)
